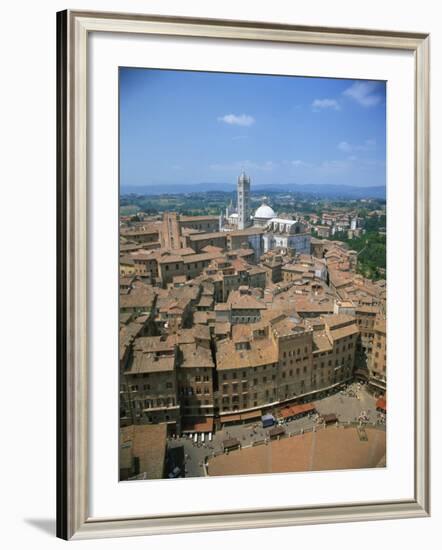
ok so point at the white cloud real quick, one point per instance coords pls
(365, 93)
(368, 145)
(345, 147)
(300, 164)
(326, 103)
(238, 120)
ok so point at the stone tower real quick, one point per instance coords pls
(243, 198)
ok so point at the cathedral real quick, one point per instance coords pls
(276, 232)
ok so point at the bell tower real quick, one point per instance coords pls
(243, 201)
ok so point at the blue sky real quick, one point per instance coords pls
(193, 127)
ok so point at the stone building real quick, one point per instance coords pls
(294, 344)
(171, 236)
(366, 318)
(142, 233)
(198, 241)
(289, 234)
(250, 237)
(272, 264)
(195, 379)
(205, 224)
(247, 371)
(244, 307)
(282, 360)
(190, 266)
(343, 333)
(377, 360)
(150, 383)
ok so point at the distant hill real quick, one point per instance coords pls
(312, 190)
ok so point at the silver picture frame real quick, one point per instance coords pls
(73, 517)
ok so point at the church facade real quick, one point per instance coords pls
(272, 232)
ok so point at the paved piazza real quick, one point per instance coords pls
(339, 445)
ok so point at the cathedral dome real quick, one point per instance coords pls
(265, 212)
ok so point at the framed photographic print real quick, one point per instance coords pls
(242, 212)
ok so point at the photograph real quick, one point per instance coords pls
(252, 273)
(224, 205)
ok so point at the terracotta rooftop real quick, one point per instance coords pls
(205, 236)
(244, 301)
(150, 362)
(199, 257)
(194, 356)
(138, 297)
(321, 342)
(288, 327)
(343, 332)
(153, 343)
(222, 328)
(247, 231)
(203, 317)
(197, 218)
(261, 352)
(128, 333)
(147, 443)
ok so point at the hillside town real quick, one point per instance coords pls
(231, 326)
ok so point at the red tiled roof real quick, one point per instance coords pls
(381, 403)
(294, 410)
(197, 424)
